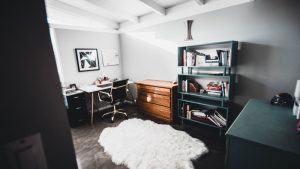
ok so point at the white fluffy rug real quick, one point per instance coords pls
(140, 144)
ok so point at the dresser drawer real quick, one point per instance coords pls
(155, 110)
(77, 116)
(153, 89)
(154, 98)
(77, 100)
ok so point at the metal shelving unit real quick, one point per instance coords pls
(205, 101)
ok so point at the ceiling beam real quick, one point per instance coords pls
(98, 10)
(154, 6)
(82, 28)
(179, 12)
(59, 13)
(200, 2)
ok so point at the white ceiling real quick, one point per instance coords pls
(126, 15)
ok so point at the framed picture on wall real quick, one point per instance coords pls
(87, 59)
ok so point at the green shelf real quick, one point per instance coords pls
(206, 75)
(203, 103)
(204, 123)
(211, 97)
(212, 67)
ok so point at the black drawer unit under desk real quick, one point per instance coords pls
(76, 108)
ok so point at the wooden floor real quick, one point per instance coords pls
(90, 155)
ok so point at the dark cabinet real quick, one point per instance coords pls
(76, 108)
(263, 136)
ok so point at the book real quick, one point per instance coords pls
(219, 120)
(188, 114)
(213, 86)
(198, 113)
(212, 120)
(226, 89)
(202, 119)
(212, 72)
(214, 93)
(184, 85)
(223, 88)
(200, 60)
(210, 64)
(212, 61)
(219, 115)
(223, 55)
(190, 58)
(184, 57)
(228, 58)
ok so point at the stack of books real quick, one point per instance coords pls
(218, 119)
(216, 89)
(212, 116)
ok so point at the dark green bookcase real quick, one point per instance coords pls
(204, 73)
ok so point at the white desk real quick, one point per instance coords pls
(91, 89)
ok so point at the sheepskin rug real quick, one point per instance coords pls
(140, 144)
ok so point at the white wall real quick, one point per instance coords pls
(68, 40)
(268, 62)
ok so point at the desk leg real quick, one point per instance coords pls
(92, 111)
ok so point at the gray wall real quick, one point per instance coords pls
(68, 40)
(268, 61)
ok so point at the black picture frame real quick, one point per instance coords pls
(87, 59)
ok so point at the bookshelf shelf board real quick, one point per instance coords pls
(210, 44)
(206, 75)
(204, 123)
(218, 98)
(202, 103)
(204, 67)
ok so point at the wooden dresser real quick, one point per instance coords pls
(157, 98)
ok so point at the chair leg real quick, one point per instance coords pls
(120, 112)
(107, 114)
(114, 112)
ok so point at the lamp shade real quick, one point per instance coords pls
(297, 90)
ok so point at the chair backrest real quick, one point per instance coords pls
(119, 90)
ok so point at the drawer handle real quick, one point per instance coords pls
(77, 108)
(148, 99)
(76, 97)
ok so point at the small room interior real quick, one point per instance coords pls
(172, 84)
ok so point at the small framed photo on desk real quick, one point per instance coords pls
(87, 59)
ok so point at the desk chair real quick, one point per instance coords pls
(117, 94)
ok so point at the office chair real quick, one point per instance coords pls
(117, 94)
